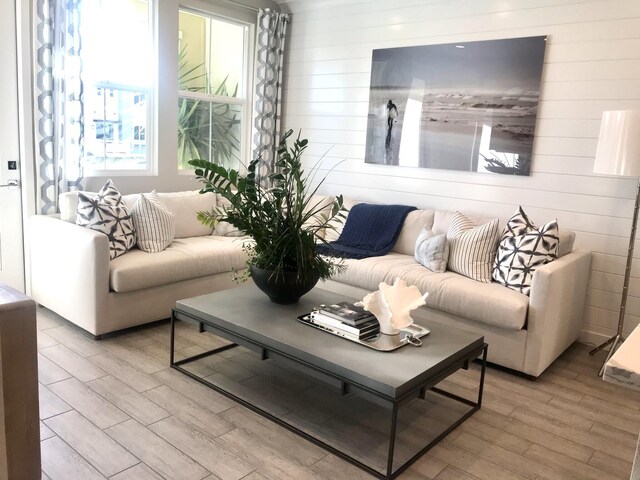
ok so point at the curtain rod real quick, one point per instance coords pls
(236, 4)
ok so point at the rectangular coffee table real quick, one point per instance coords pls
(400, 384)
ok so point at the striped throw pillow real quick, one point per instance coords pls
(155, 225)
(472, 248)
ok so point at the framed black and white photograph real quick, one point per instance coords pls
(467, 106)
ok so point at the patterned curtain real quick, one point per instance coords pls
(270, 40)
(59, 100)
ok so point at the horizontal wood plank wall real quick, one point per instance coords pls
(592, 64)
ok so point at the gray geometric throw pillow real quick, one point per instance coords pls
(522, 249)
(107, 213)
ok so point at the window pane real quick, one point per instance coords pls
(117, 74)
(208, 131)
(211, 55)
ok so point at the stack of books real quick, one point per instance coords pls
(346, 320)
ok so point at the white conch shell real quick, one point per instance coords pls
(391, 305)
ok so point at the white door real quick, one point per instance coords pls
(11, 245)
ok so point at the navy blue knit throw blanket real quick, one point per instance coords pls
(370, 231)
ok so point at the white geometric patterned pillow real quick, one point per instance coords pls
(109, 194)
(472, 247)
(155, 225)
(523, 248)
(107, 213)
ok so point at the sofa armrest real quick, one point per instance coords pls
(69, 269)
(556, 308)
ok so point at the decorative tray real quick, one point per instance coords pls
(410, 335)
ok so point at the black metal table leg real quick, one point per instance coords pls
(392, 439)
(172, 341)
(484, 367)
(418, 392)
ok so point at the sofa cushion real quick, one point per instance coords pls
(184, 259)
(489, 303)
(442, 220)
(185, 206)
(225, 229)
(567, 238)
(413, 225)
(68, 203)
(322, 205)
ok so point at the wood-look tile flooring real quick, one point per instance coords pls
(113, 409)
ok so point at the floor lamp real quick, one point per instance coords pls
(618, 153)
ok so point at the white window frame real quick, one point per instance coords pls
(151, 168)
(242, 17)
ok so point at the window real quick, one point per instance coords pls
(213, 67)
(117, 48)
(103, 130)
(138, 133)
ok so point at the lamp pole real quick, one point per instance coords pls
(617, 339)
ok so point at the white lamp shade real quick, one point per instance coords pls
(618, 150)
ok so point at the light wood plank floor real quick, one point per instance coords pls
(113, 409)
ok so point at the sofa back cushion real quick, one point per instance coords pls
(567, 238)
(413, 225)
(68, 202)
(322, 204)
(185, 206)
(333, 234)
(442, 220)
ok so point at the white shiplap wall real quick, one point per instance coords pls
(592, 64)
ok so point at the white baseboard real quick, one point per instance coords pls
(589, 337)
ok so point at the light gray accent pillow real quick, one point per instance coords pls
(432, 250)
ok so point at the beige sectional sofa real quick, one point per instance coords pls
(72, 275)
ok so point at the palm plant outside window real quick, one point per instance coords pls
(212, 75)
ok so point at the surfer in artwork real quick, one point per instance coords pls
(392, 117)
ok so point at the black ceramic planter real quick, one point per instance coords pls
(284, 289)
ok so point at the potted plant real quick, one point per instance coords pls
(280, 216)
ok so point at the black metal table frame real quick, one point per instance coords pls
(395, 403)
